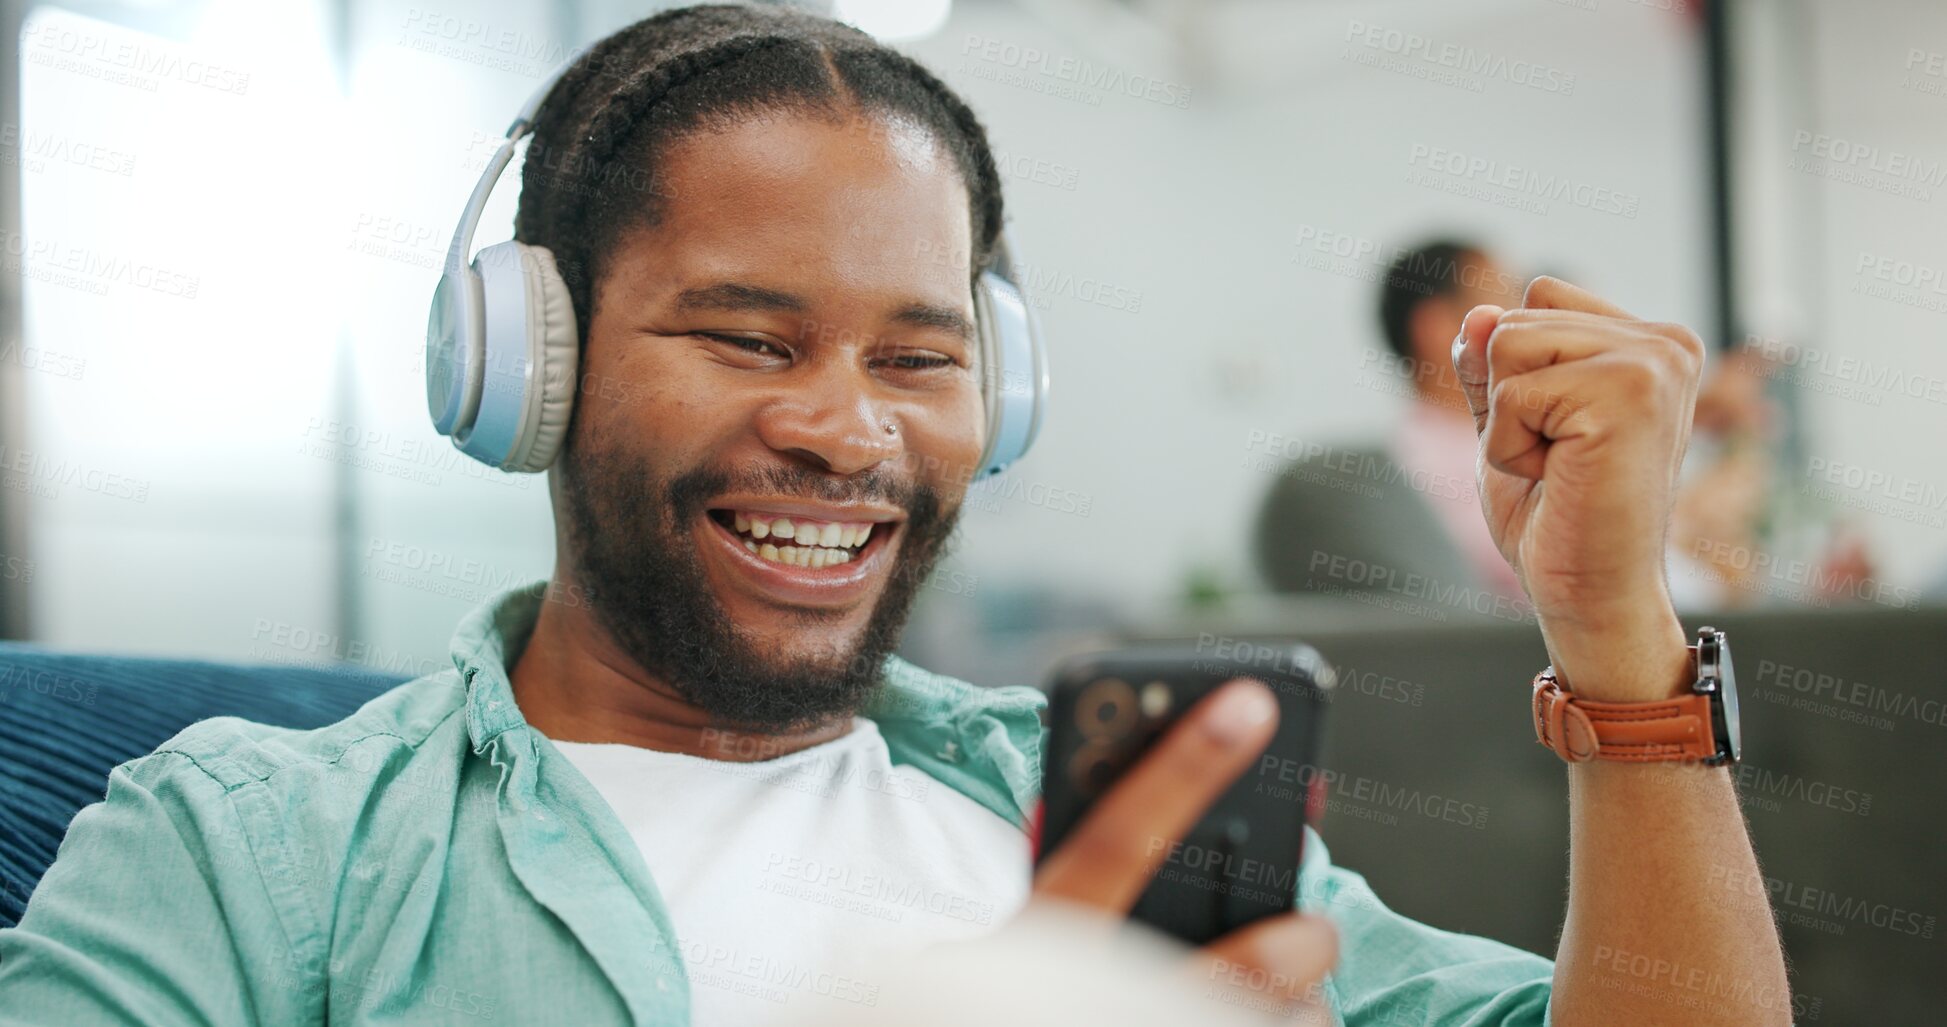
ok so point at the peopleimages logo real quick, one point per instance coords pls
(32, 150)
(1331, 572)
(483, 43)
(1899, 281)
(46, 682)
(1037, 170)
(1841, 698)
(1525, 183)
(23, 470)
(89, 269)
(1361, 796)
(898, 893)
(1356, 470)
(1850, 376)
(1900, 272)
(1864, 164)
(278, 641)
(125, 58)
(1821, 908)
(1075, 71)
(459, 577)
(35, 358)
(1809, 582)
(1415, 49)
(1925, 72)
(1876, 491)
(16, 568)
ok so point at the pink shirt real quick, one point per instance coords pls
(1437, 445)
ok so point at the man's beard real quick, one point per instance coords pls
(635, 553)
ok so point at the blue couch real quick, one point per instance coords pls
(66, 720)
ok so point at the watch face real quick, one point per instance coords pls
(1729, 729)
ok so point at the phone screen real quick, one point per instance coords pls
(1241, 861)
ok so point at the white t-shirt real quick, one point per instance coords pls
(788, 880)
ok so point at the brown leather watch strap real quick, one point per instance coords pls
(1579, 730)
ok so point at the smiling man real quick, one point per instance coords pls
(685, 781)
(754, 519)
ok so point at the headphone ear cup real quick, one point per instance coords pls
(454, 340)
(555, 349)
(528, 362)
(1015, 379)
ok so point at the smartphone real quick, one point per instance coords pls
(1240, 862)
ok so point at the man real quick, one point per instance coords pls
(658, 797)
(1412, 504)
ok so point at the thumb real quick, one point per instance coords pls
(1470, 358)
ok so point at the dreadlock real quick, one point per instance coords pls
(591, 171)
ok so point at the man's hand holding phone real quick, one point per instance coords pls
(1109, 859)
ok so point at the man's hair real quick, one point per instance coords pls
(591, 171)
(1422, 273)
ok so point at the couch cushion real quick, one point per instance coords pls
(66, 720)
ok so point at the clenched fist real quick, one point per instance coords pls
(1583, 413)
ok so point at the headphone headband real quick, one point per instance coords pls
(476, 204)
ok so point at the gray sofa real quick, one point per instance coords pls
(1844, 783)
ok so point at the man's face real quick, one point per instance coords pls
(1482, 280)
(1478, 279)
(791, 413)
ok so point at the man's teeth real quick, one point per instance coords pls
(804, 533)
(800, 556)
(812, 544)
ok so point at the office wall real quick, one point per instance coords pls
(1858, 324)
(181, 298)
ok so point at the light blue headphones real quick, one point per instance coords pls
(501, 349)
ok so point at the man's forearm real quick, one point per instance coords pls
(1668, 920)
(1584, 413)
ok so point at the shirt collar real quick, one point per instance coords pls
(485, 643)
(938, 722)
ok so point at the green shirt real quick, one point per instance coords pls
(432, 857)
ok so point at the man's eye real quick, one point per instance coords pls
(756, 347)
(920, 361)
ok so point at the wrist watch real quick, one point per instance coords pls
(1700, 725)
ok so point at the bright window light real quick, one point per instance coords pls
(894, 19)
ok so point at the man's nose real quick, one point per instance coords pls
(833, 423)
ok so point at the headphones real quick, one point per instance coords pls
(501, 351)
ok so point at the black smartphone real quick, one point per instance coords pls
(1240, 862)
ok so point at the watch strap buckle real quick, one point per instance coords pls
(1560, 724)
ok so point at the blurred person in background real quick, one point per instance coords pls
(1410, 506)
(1728, 500)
